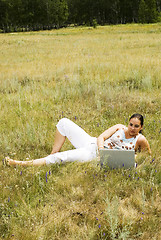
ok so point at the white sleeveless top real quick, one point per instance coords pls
(119, 141)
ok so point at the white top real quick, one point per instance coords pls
(119, 141)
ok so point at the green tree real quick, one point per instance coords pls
(3, 13)
(152, 13)
(143, 11)
(57, 12)
(15, 12)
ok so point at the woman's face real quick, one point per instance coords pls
(134, 127)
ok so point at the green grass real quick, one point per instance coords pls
(97, 78)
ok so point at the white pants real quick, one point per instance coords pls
(86, 146)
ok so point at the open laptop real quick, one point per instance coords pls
(114, 158)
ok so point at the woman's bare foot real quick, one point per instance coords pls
(8, 162)
(37, 162)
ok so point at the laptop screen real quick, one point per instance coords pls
(114, 158)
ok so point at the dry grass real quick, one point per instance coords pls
(96, 77)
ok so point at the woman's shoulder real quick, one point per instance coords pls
(141, 138)
(120, 126)
(143, 143)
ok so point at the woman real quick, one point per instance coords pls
(87, 147)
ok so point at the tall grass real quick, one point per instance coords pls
(96, 77)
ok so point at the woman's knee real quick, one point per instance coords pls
(63, 121)
(63, 125)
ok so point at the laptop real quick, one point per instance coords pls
(114, 158)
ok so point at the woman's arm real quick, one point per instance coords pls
(142, 144)
(106, 134)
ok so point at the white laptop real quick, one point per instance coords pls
(114, 158)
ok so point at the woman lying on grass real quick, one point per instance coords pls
(116, 137)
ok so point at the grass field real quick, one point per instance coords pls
(97, 78)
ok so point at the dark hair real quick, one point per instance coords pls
(139, 117)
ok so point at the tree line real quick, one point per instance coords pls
(24, 15)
